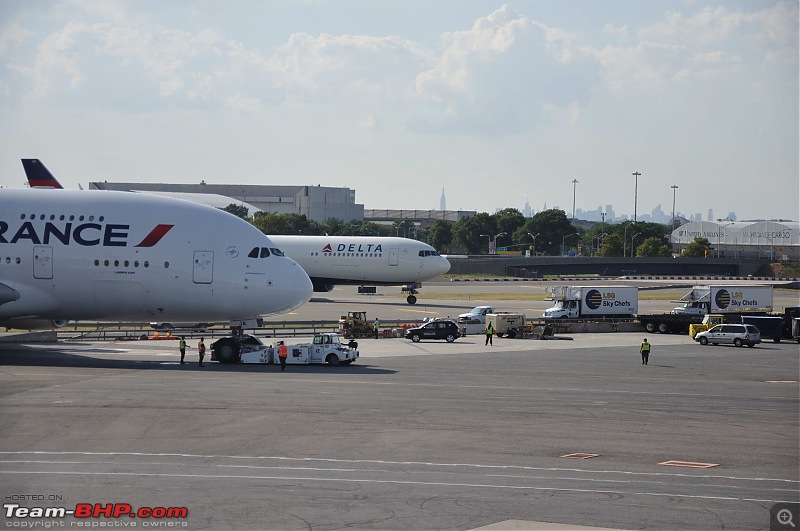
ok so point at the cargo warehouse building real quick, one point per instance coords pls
(775, 239)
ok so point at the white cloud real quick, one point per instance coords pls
(501, 74)
(12, 35)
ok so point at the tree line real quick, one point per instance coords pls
(547, 233)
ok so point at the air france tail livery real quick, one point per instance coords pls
(331, 260)
(71, 255)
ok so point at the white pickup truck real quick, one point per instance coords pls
(477, 314)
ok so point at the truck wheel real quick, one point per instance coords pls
(499, 334)
(332, 360)
(776, 339)
(226, 350)
(415, 338)
(650, 327)
(512, 334)
(450, 338)
(703, 340)
(662, 328)
(737, 342)
(411, 299)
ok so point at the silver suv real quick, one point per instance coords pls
(736, 334)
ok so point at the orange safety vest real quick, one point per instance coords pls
(282, 351)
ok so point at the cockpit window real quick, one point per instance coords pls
(264, 252)
(253, 253)
(428, 253)
(276, 252)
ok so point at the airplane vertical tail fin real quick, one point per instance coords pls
(38, 175)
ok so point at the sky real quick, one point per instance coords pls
(492, 102)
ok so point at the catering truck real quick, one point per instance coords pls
(622, 302)
(598, 302)
(726, 299)
(731, 302)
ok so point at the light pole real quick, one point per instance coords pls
(534, 242)
(719, 236)
(633, 238)
(564, 238)
(625, 240)
(636, 174)
(674, 188)
(490, 241)
(598, 238)
(494, 240)
(574, 182)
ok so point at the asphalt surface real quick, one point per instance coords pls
(412, 436)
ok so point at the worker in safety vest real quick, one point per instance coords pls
(645, 350)
(489, 334)
(283, 353)
(182, 348)
(376, 327)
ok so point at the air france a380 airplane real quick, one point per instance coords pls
(72, 255)
(331, 260)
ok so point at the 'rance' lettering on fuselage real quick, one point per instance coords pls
(85, 234)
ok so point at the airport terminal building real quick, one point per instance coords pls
(318, 203)
(774, 239)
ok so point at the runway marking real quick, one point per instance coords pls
(579, 456)
(416, 311)
(689, 464)
(405, 482)
(382, 462)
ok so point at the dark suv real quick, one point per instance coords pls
(447, 330)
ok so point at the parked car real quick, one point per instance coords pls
(734, 334)
(476, 315)
(447, 330)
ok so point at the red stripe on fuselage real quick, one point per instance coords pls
(155, 235)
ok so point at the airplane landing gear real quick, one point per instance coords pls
(412, 291)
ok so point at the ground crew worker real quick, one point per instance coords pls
(283, 353)
(201, 350)
(489, 333)
(645, 350)
(182, 347)
(376, 326)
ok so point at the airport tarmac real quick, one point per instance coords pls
(413, 436)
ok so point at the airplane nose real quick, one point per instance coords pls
(303, 288)
(444, 265)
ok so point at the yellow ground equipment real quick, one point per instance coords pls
(708, 321)
(355, 324)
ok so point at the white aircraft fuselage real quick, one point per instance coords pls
(331, 260)
(102, 255)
